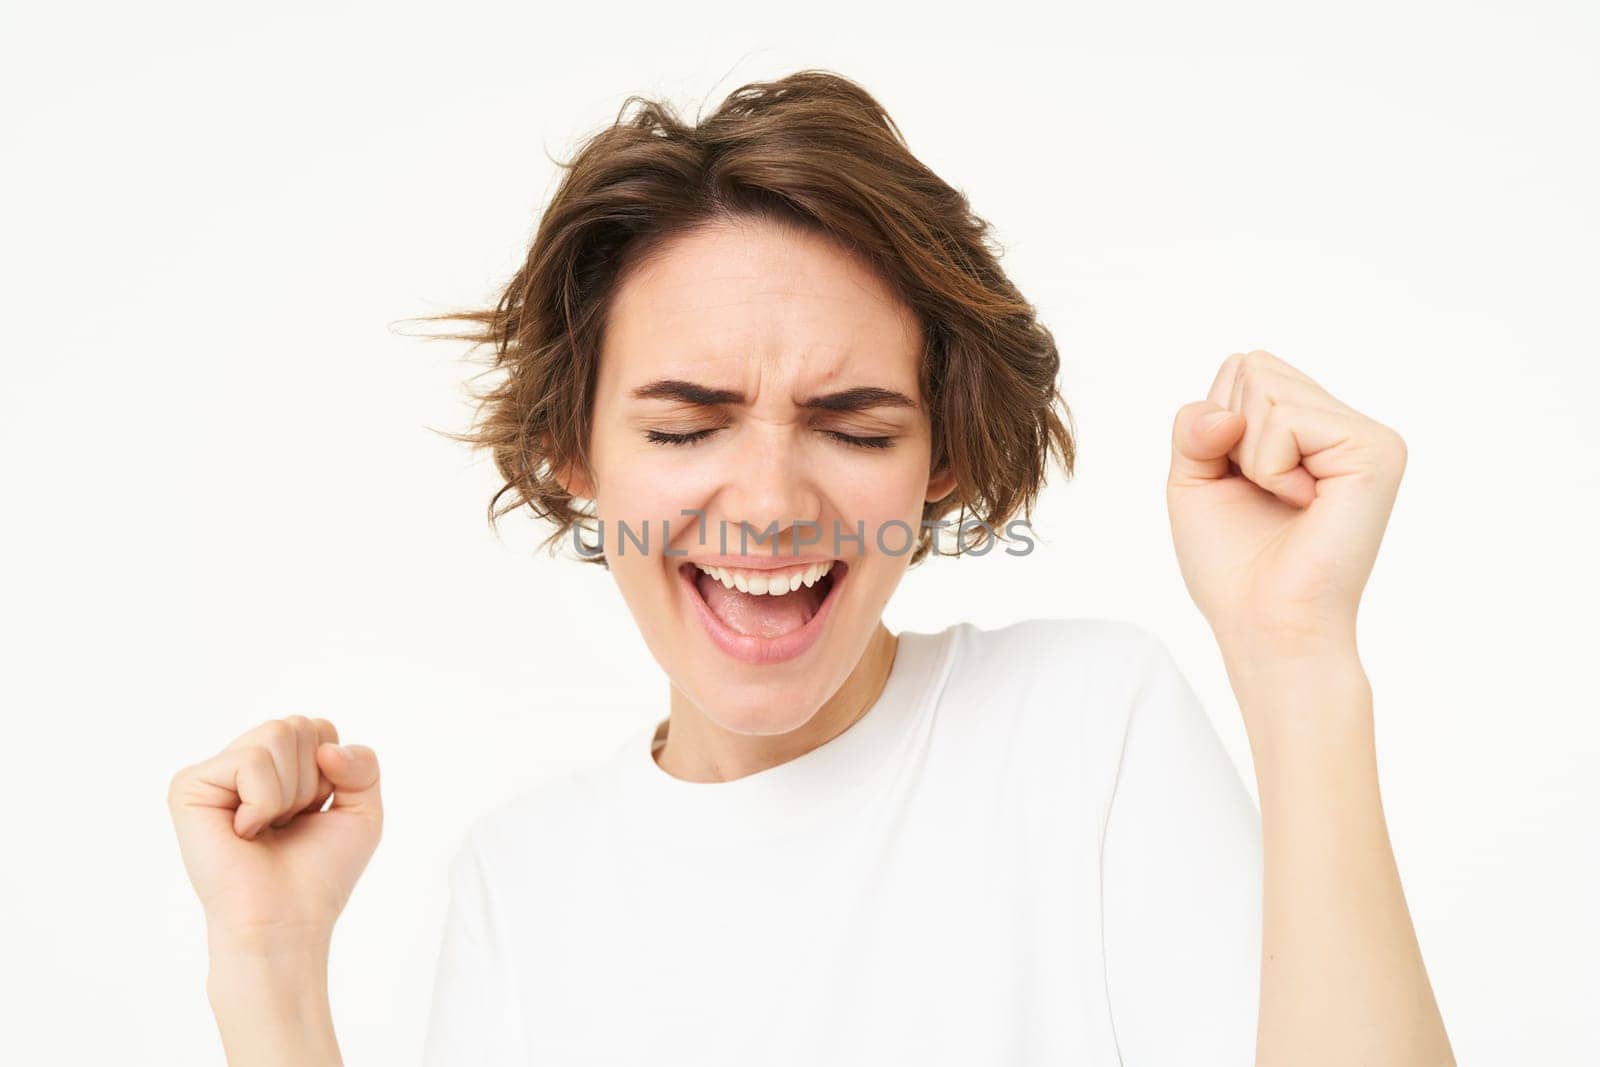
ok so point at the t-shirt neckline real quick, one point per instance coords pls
(799, 792)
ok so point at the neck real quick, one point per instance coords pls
(698, 750)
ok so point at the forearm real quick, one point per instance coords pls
(1342, 976)
(271, 1006)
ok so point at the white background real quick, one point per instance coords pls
(224, 502)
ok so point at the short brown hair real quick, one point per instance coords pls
(812, 149)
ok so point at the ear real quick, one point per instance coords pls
(575, 484)
(940, 482)
(573, 481)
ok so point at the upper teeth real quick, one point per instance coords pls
(773, 583)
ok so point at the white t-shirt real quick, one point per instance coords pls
(1032, 849)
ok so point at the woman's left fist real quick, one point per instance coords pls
(1278, 496)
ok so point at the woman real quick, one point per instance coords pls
(773, 352)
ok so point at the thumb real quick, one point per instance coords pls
(353, 772)
(1203, 433)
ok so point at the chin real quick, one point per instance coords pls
(774, 711)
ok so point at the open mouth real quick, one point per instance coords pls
(748, 620)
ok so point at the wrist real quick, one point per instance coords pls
(1300, 700)
(263, 966)
(1269, 648)
(287, 941)
(269, 985)
(285, 967)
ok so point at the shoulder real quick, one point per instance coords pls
(1103, 653)
(1062, 690)
(554, 815)
(1076, 637)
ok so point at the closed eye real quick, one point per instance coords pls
(860, 442)
(662, 437)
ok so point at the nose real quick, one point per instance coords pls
(770, 495)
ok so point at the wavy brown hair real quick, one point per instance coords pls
(816, 150)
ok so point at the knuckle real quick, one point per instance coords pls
(258, 758)
(278, 732)
(1397, 448)
(258, 782)
(1386, 436)
(176, 786)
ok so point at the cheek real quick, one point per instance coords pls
(647, 489)
(630, 494)
(882, 495)
(635, 482)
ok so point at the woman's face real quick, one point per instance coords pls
(757, 374)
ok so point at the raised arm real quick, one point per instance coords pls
(1278, 496)
(273, 872)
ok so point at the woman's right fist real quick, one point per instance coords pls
(269, 865)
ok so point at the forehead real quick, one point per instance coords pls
(753, 300)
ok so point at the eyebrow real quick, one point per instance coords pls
(860, 398)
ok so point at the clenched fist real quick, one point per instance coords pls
(270, 866)
(1279, 495)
